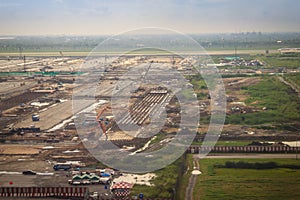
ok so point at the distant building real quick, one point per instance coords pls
(289, 50)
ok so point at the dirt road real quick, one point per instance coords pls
(192, 181)
(294, 87)
(53, 115)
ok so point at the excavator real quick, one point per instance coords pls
(103, 122)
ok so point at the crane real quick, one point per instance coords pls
(61, 54)
(147, 71)
(101, 121)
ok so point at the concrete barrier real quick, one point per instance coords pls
(242, 149)
(43, 191)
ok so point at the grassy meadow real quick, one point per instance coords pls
(247, 184)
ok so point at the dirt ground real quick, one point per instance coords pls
(233, 86)
(13, 165)
(51, 117)
(19, 149)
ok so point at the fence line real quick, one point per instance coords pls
(243, 149)
(43, 191)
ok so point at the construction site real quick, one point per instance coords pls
(39, 126)
(36, 104)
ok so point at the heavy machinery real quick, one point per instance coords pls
(103, 122)
(35, 117)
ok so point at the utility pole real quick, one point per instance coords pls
(24, 59)
(235, 52)
(235, 46)
(61, 54)
(20, 52)
(296, 150)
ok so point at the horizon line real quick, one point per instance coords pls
(107, 34)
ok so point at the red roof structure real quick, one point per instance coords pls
(121, 189)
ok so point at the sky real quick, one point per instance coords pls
(101, 17)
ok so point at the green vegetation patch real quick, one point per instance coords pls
(199, 86)
(277, 60)
(165, 183)
(256, 165)
(230, 183)
(293, 78)
(280, 103)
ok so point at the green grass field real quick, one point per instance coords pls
(293, 78)
(224, 183)
(277, 60)
(247, 184)
(281, 103)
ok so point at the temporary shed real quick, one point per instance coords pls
(121, 189)
(85, 177)
(94, 179)
(76, 178)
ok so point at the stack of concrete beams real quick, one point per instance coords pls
(146, 107)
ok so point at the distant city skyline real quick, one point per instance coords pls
(92, 17)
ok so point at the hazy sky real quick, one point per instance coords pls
(39, 17)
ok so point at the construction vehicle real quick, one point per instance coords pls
(62, 166)
(103, 122)
(35, 117)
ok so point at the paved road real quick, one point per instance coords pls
(190, 187)
(192, 180)
(52, 116)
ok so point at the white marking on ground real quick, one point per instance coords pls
(138, 179)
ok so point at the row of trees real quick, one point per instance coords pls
(256, 165)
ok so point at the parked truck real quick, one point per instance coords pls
(62, 166)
